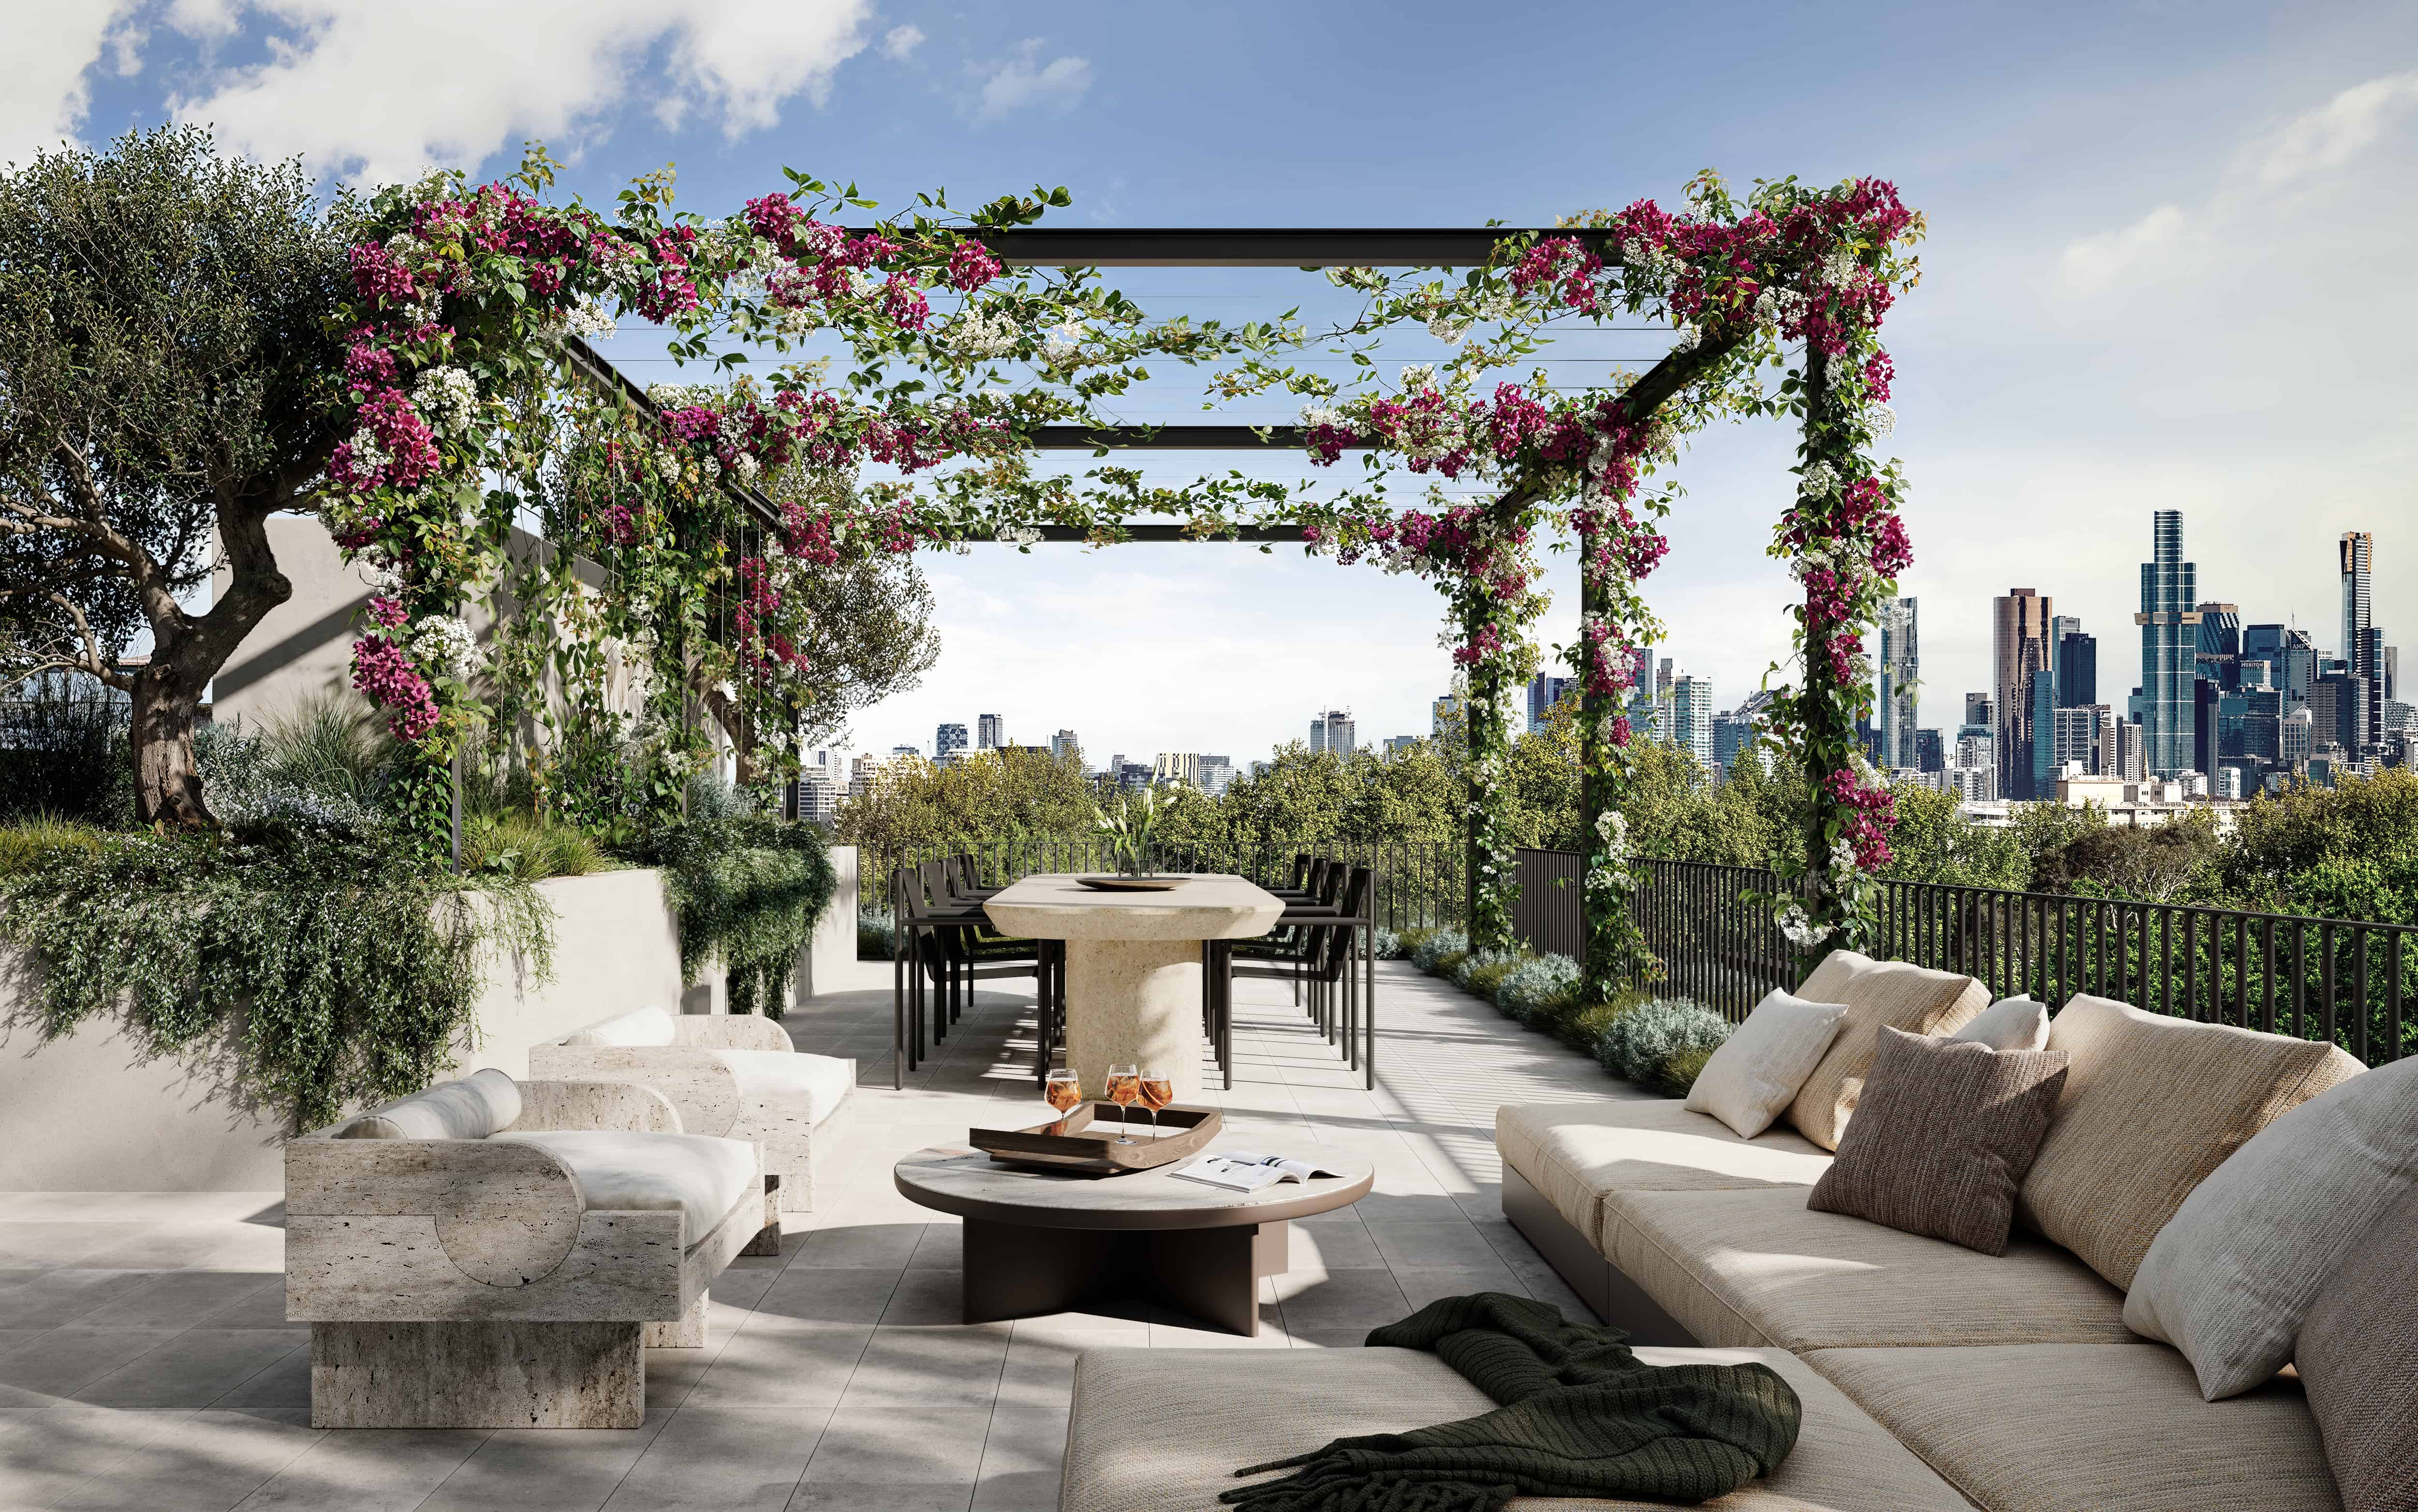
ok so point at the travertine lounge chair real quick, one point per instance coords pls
(493, 1254)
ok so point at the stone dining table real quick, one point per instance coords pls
(1133, 965)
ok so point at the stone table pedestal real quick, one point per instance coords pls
(1133, 965)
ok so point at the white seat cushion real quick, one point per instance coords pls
(818, 1081)
(471, 1108)
(620, 1172)
(639, 1026)
(1577, 1153)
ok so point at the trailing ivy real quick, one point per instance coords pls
(332, 968)
(746, 892)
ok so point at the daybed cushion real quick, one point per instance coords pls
(1755, 1268)
(2009, 1024)
(1912, 998)
(471, 1108)
(639, 1026)
(2355, 1358)
(2089, 1427)
(619, 1172)
(1576, 1152)
(820, 1081)
(1755, 1074)
(2230, 1277)
(2152, 1104)
(1164, 1430)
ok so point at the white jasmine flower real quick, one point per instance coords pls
(1064, 344)
(1839, 267)
(444, 645)
(1315, 415)
(712, 467)
(1418, 374)
(1447, 331)
(746, 469)
(1687, 339)
(590, 318)
(448, 397)
(1820, 481)
(977, 334)
(1799, 927)
(368, 456)
(1881, 420)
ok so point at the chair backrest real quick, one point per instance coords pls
(1335, 940)
(969, 875)
(1300, 870)
(1331, 886)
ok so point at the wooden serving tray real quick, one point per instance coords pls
(1077, 1143)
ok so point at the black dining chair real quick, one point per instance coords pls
(1324, 956)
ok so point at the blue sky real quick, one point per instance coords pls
(2167, 266)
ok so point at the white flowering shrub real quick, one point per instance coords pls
(448, 397)
(444, 645)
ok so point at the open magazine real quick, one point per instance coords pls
(1239, 1171)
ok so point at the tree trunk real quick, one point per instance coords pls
(167, 782)
(187, 651)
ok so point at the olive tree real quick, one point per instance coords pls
(170, 373)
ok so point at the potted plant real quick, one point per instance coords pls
(1129, 830)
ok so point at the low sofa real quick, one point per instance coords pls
(736, 1075)
(1935, 1378)
(498, 1254)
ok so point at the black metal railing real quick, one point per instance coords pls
(2350, 982)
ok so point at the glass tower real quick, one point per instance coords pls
(2169, 649)
(1900, 679)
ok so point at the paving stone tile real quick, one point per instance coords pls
(388, 1471)
(193, 1368)
(205, 1462)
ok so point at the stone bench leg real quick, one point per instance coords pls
(687, 1333)
(488, 1375)
(767, 1239)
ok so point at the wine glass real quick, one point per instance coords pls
(1064, 1093)
(1125, 1089)
(1157, 1091)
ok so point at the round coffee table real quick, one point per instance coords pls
(1042, 1241)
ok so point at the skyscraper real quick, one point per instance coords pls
(948, 741)
(987, 732)
(2220, 644)
(1063, 744)
(2020, 646)
(1899, 677)
(1543, 693)
(2169, 647)
(1692, 717)
(2077, 666)
(1333, 731)
(2358, 574)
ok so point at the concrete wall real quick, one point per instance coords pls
(88, 1113)
(303, 650)
(833, 949)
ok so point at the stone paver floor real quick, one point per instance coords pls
(146, 1362)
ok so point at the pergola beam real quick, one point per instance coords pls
(1172, 437)
(1263, 245)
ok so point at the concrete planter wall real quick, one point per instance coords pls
(88, 1113)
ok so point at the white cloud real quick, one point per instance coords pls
(2335, 134)
(900, 43)
(50, 47)
(384, 92)
(1021, 80)
(2098, 261)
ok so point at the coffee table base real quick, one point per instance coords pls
(1014, 1271)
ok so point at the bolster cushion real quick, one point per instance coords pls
(471, 1108)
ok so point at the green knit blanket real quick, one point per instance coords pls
(1579, 1416)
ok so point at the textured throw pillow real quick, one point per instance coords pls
(2358, 1360)
(471, 1108)
(1756, 1071)
(2152, 1104)
(2009, 1024)
(2230, 1277)
(1942, 1137)
(1912, 998)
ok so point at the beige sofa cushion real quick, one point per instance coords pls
(1576, 1152)
(2089, 1427)
(471, 1108)
(2152, 1104)
(695, 1174)
(818, 1082)
(1912, 998)
(2230, 1277)
(1755, 1074)
(1750, 1268)
(2009, 1024)
(1164, 1430)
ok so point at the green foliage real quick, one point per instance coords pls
(1408, 942)
(1483, 972)
(915, 807)
(876, 934)
(1678, 1073)
(2171, 862)
(527, 847)
(2346, 852)
(335, 970)
(746, 892)
(1932, 843)
(1449, 965)
(1638, 1043)
(1129, 830)
(1386, 945)
(26, 843)
(1428, 954)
